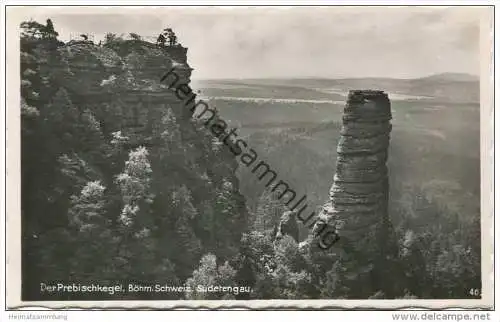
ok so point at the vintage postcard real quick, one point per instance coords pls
(334, 157)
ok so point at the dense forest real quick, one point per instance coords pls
(121, 185)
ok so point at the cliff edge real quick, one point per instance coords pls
(118, 183)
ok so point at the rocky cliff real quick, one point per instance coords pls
(358, 205)
(118, 181)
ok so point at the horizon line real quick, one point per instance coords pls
(477, 77)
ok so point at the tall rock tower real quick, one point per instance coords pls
(360, 190)
(358, 204)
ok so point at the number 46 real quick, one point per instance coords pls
(475, 292)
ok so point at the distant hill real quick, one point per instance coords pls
(452, 77)
(447, 87)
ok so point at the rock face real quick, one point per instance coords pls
(359, 194)
(357, 209)
(287, 226)
(98, 107)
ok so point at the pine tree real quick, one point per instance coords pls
(134, 183)
(209, 274)
(135, 221)
(94, 241)
(48, 31)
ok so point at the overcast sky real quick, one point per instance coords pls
(334, 42)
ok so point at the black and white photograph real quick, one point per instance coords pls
(234, 154)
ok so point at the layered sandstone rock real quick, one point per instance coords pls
(357, 208)
(287, 226)
(359, 194)
(358, 201)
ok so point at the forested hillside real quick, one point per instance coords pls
(121, 185)
(117, 182)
